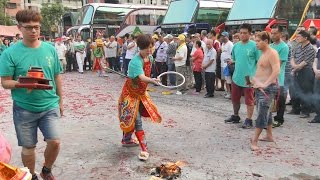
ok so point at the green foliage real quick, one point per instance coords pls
(4, 19)
(52, 16)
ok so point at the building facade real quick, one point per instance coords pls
(13, 6)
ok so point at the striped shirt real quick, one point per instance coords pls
(306, 54)
(171, 52)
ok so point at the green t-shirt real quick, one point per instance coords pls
(2, 48)
(283, 51)
(16, 61)
(135, 67)
(245, 57)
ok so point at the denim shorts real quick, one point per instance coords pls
(263, 104)
(27, 123)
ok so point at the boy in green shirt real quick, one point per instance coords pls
(38, 108)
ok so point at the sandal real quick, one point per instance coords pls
(133, 142)
(143, 156)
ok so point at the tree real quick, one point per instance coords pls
(52, 16)
(4, 18)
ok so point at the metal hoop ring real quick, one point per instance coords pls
(172, 72)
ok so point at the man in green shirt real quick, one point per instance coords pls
(38, 108)
(283, 50)
(245, 56)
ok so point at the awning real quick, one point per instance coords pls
(9, 30)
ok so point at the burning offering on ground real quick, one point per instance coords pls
(167, 171)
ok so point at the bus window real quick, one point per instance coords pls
(85, 34)
(258, 10)
(110, 15)
(85, 16)
(145, 17)
(186, 12)
(212, 16)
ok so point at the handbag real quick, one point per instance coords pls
(154, 54)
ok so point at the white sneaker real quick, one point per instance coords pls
(228, 96)
(178, 93)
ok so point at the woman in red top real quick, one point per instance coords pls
(197, 59)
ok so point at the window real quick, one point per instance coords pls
(164, 2)
(85, 15)
(110, 15)
(186, 8)
(129, 1)
(257, 9)
(212, 16)
(150, 17)
(11, 5)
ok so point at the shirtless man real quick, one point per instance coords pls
(265, 83)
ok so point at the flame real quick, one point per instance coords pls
(181, 163)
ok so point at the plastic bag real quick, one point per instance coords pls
(5, 150)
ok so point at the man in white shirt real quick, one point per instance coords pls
(132, 49)
(226, 50)
(61, 51)
(161, 57)
(79, 47)
(209, 66)
(111, 52)
(180, 61)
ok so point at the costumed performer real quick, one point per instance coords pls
(134, 100)
(98, 54)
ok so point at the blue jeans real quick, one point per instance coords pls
(27, 123)
(172, 77)
(126, 65)
(263, 104)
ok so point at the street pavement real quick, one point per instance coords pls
(192, 130)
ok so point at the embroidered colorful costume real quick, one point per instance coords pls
(135, 102)
(133, 93)
(98, 55)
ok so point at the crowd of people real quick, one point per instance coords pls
(224, 62)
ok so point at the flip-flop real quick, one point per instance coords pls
(143, 156)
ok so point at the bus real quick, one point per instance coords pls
(263, 14)
(116, 19)
(194, 15)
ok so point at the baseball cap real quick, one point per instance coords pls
(168, 36)
(225, 34)
(181, 37)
